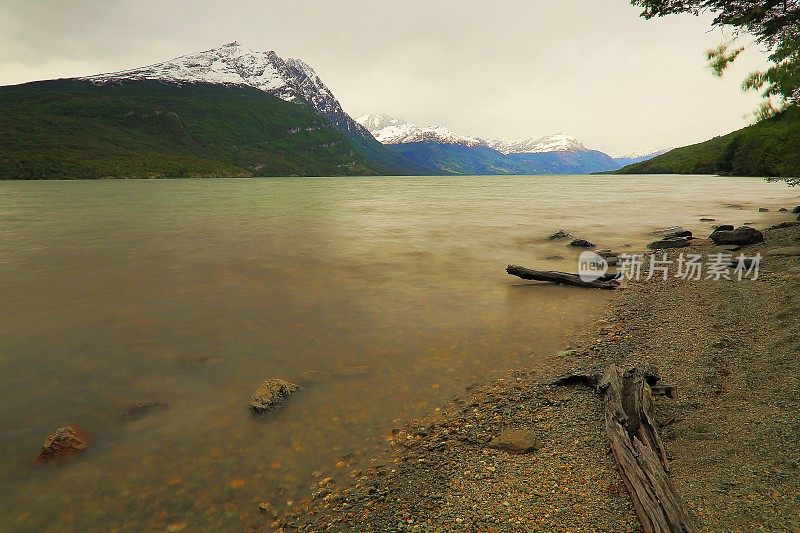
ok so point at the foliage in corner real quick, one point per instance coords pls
(774, 24)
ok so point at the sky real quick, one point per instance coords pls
(509, 68)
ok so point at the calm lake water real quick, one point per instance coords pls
(191, 292)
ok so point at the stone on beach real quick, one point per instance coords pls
(64, 442)
(668, 243)
(272, 393)
(788, 251)
(516, 441)
(741, 235)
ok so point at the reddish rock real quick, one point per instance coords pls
(65, 441)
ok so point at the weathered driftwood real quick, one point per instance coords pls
(638, 451)
(563, 278)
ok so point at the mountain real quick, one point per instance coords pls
(768, 148)
(638, 156)
(228, 111)
(443, 151)
(557, 142)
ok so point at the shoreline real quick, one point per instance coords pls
(731, 435)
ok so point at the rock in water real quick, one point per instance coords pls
(705, 219)
(763, 210)
(741, 235)
(582, 243)
(560, 234)
(64, 442)
(272, 393)
(516, 441)
(723, 227)
(677, 234)
(782, 210)
(796, 209)
(142, 409)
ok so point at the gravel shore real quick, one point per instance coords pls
(732, 434)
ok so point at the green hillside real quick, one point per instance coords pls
(69, 129)
(770, 148)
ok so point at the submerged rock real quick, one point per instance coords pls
(666, 231)
(763, 210)
(782, 210)
(139, 410)
(582, 243)
(677, 234)
(554, 257)
(796, 209)
(272, 393)
(560, 234)
(65, 441)
(704, 219)
(741, 235)
(516, 441)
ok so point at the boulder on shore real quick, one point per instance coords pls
(796, 209)
(741, 235)
(271, 393)
(582, 243)
(516, 441)
(787, 224)
(65, 441)
(560, 234)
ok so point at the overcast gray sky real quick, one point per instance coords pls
(507, 68)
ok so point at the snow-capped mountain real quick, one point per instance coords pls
(557, 142)
(394, 130)
(638, 156)
(235, 64)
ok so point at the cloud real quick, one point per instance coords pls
(496, 69)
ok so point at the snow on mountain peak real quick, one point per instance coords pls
(378, 121)
(235, 64)
(556, 142)
(393, 130)
(644, 152)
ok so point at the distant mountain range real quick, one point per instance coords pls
(232, 111)
(441, 150)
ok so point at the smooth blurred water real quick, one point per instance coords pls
(191, 292)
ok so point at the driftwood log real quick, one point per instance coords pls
(608, 281)
(637, 448)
